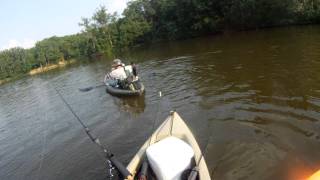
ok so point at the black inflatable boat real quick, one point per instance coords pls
(123, 92)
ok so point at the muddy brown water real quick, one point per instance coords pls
(252, 100)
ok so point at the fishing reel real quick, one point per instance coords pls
(110, 170)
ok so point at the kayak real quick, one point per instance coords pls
(124, 92)
(165, 161)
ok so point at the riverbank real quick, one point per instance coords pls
(7, 80)
(43, 69)
(51, 67)
(2, 81)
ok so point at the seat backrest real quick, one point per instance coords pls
(169, 158)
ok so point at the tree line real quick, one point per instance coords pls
(147, 21)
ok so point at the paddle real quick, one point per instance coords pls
(97, 86)
(90, 88)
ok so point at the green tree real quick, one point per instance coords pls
(135, 25)
(97, 32)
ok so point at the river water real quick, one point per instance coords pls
(252, 100)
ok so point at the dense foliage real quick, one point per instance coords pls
(154, 20)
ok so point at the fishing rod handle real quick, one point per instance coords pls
(144, 171)
(121, 168)
(194, 173)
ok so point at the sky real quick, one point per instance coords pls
(24, 22)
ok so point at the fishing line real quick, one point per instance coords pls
(210, 135)
(159, 102)
(157, 116)
(44, 144)
(206, 147)
(44, 139)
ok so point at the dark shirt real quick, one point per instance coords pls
(134, 70)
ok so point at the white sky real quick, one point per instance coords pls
(23, 23)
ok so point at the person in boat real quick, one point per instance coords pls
(117, 74)
(117, 70)
(132, 74)
(132, 68)
(120, 76)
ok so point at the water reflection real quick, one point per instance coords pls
(134, 105)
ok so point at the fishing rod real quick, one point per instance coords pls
(112, 161)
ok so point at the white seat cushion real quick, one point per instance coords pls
(169, 157)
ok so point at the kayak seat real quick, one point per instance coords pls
(170, 158)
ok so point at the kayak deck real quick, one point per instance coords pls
(172, 126)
